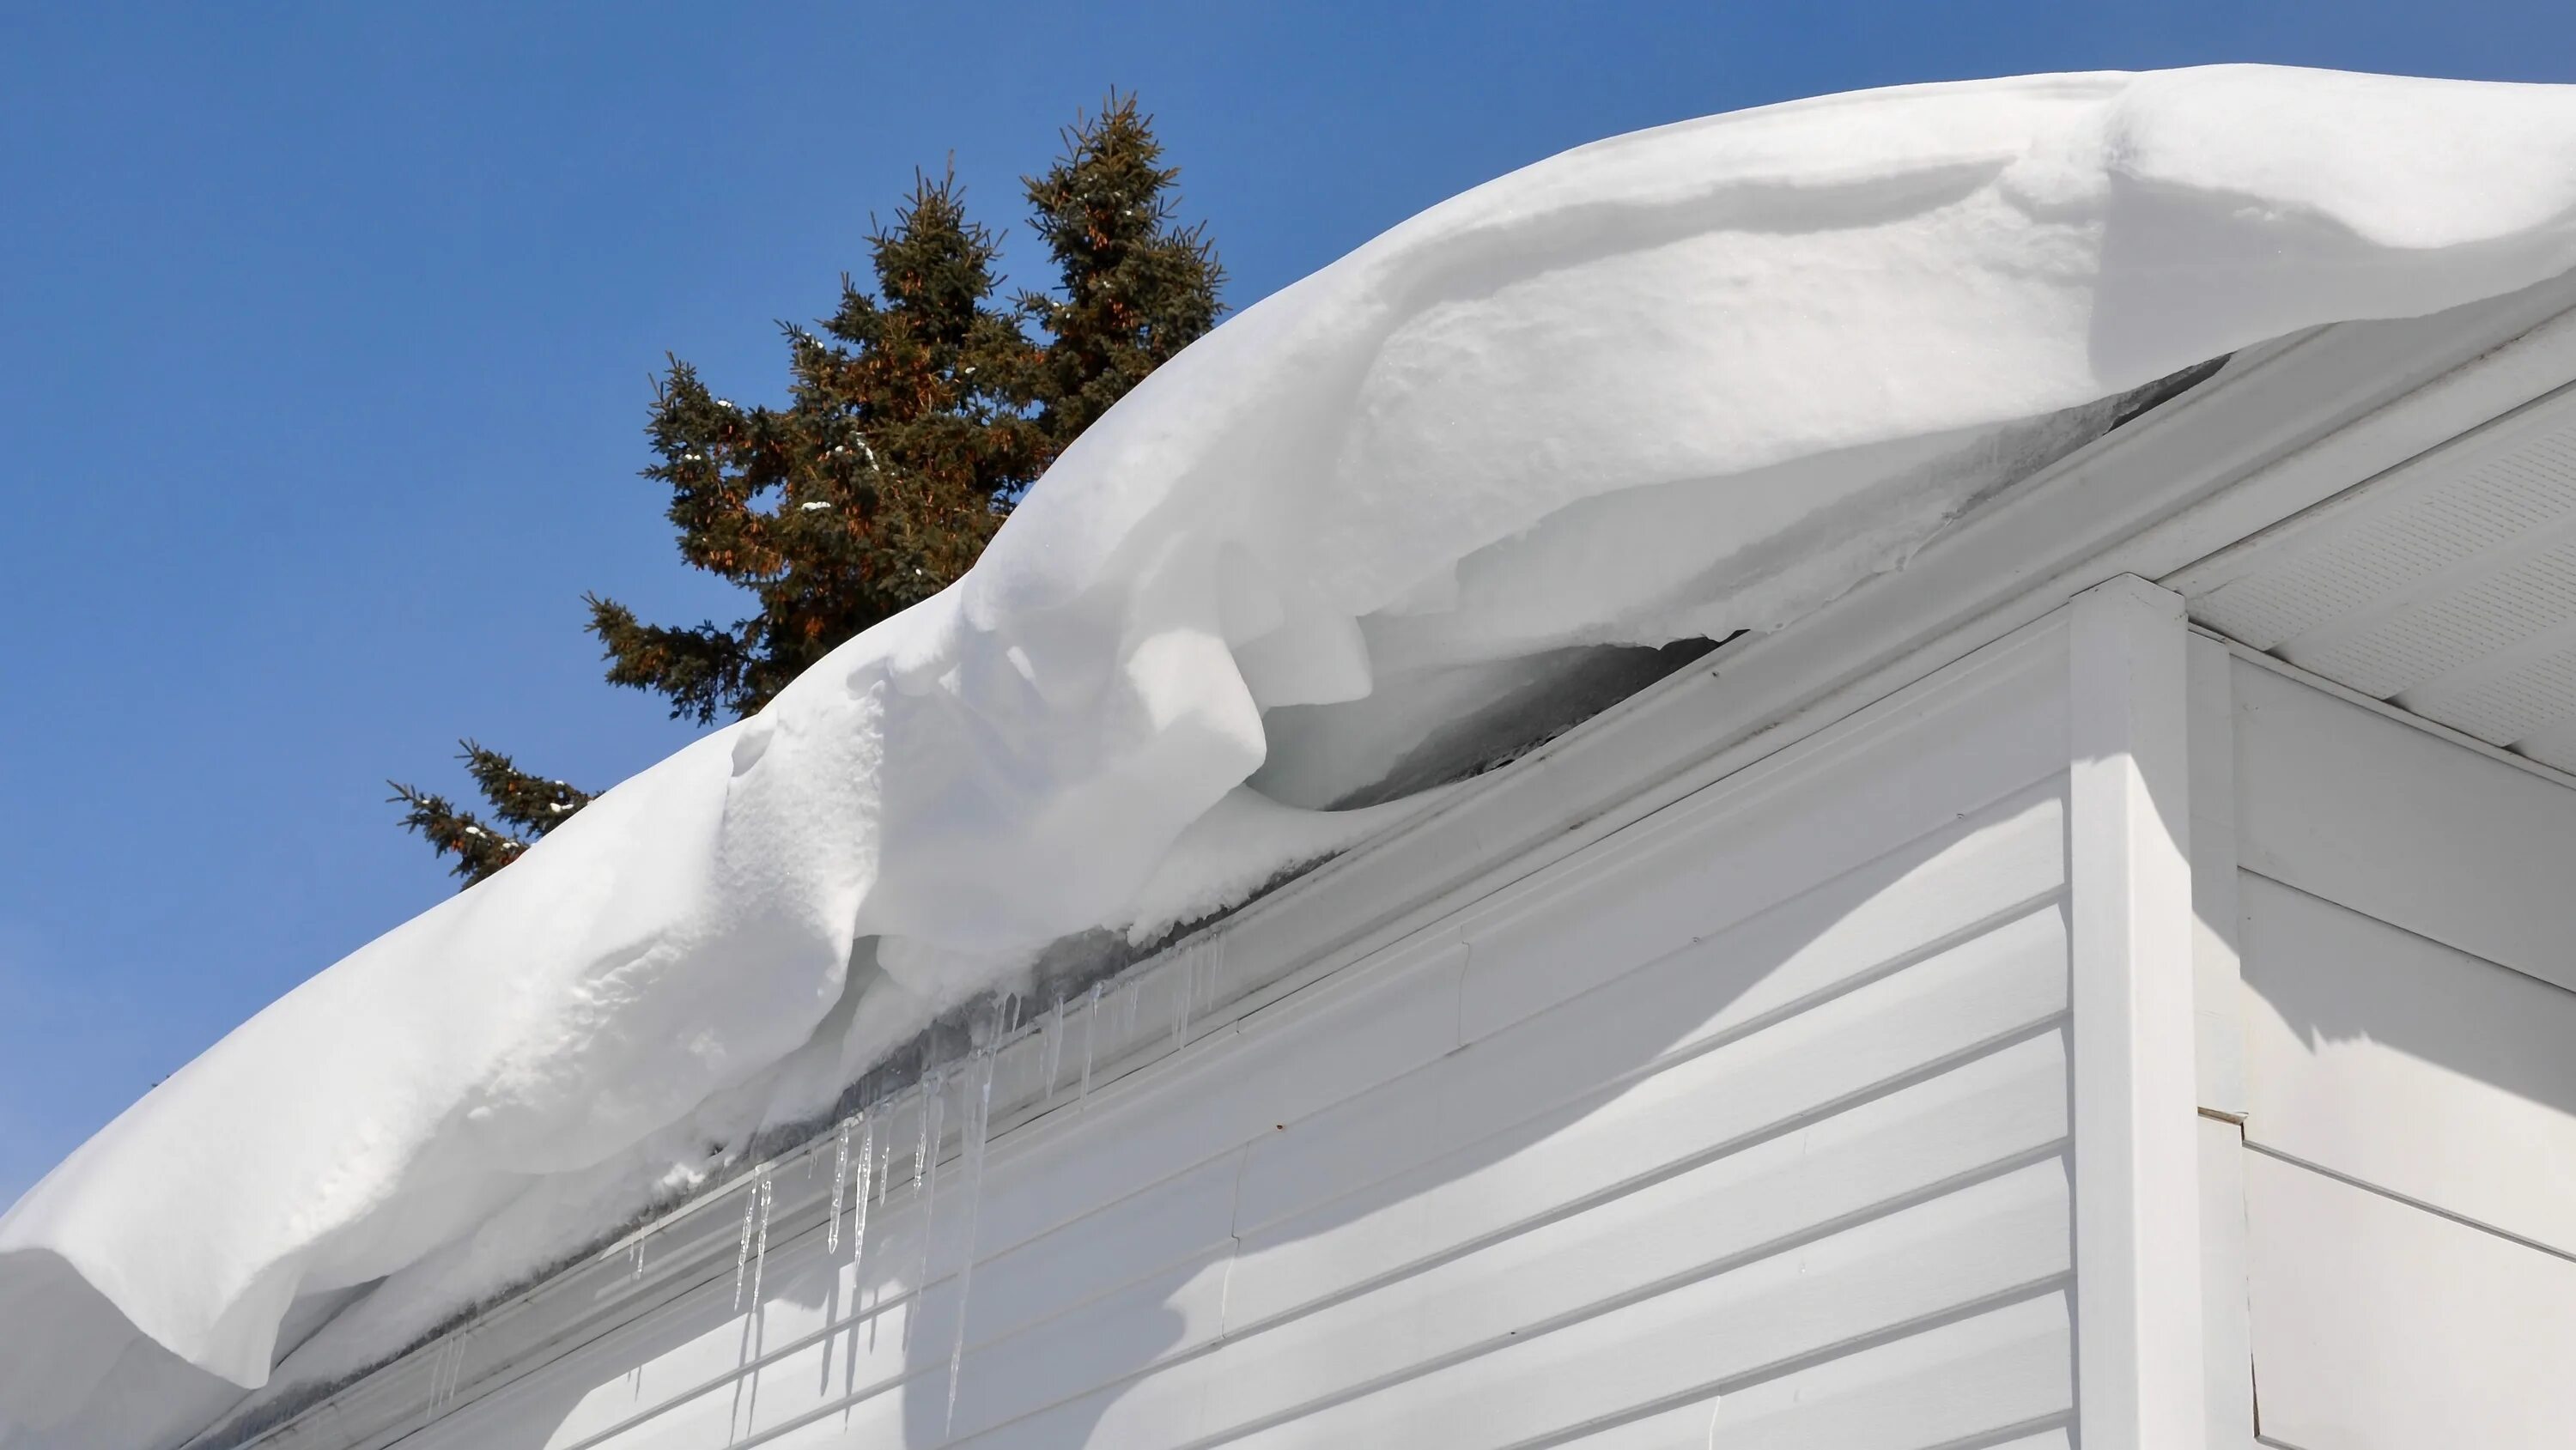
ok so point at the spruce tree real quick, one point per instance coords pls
(1132, 287)
(527, 806)
(917, 414)
(874, 488)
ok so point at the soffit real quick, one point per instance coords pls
(2445, 586)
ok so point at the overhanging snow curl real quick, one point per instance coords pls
(1684, 382)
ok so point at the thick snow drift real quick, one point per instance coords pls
(1679, 383)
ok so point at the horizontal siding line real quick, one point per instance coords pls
(2003, 1298)
(1577, 880)
(2410, 1201)
(683, 1269)
(766, 1357)
(669, 1277)
(769, 1357)
(2448, 948)
(2007, 1434)
(2013, 1433)
(820, 1412)
(1805, 1235)
(1684, 824)
(1786, 1243)
(876, 1308)
(1914, 955)
(753, 1366)
(508, 1374)
(858, 1318)
(1795, 1122)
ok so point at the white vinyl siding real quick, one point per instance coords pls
(2407, 927)
(1763, 1097)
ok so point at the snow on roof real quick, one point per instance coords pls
(1678, 383)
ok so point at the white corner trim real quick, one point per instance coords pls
(2139, 1370)
(2218, 970)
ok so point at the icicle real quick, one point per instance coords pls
(456, 1364)
(437, 1369)
(447, 1369)
(840, 1183)
(742, 1257)
(1090, 1040)
(925, 1185)
(760, 1255)
(932, 1128)
(921, 1149)
(859, 1223)
(429, 1401)
(1054, 1054)
(1189, 974)
(979, 1123)
(885, 1166)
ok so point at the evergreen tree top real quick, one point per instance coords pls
(918, 413)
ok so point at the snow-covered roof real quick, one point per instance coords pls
(1677, 384)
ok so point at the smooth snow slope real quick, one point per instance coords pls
(1691, 380)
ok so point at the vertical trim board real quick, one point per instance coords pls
(2139, 1365)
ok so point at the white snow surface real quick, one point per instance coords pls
(1677, 383)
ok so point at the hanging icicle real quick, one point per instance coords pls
(456, 1368)
(859, 1224)
(1054, 1049)
(925, 1186)
(760, 1254)
(885, 1165)
(979, 1122)
(1188, 969)
(1090, 1040)
(437, 1371)
(921, 1147)
(840, 1183)
(742, 1256)
(447, 1370)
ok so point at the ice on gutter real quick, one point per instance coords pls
(1674, 385)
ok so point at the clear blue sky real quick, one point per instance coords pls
(326, 332)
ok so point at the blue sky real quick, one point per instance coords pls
(326, 334)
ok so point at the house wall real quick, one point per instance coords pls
(2401, 1195)
(1744, 1126)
